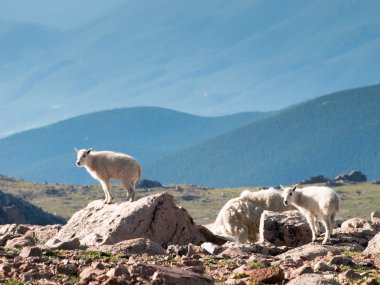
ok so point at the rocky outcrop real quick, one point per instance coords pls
(284, 229)
(154, 217)
(314, 180)
(17, 236)
(311, 251)
(143, 261)
(354, 176)
(17, 211)
(312, 278)
(167, 275)
(356, 223)
(145, 183)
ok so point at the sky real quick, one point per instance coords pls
(60, 59)
(62, 15)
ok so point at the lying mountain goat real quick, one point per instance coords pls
(316, 203)
(106, 165)
(239, 219)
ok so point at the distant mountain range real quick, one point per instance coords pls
(147, 133)
(204, 57)
(329, 135)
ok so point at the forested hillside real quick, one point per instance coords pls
(329, 135)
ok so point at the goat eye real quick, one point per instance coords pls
(290, 194)
(84, 156)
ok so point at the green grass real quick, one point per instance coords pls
(10, 281)
(351, 253)
(92, 254)
(358, 200)
(257, 264)
(241, 276)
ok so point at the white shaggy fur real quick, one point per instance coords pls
(106, 165)
(316, 203)
(239, 219)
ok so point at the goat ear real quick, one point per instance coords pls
(294, 187)
(89, 150)
(76, 150)
(282, 187)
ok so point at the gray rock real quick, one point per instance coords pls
(359, 236)
(70, 244)
(356, 223)
(31, 251)
(177, 250)
(21, 242)
(285, 229)
(267, 275)
(348, 276)
(340, 260)
(375, 217)
(312, 278)
(67, 269)
(119, 270)
(212, 248)
(237, 250)
(311, 251)
(154, 217)
(134, 246)
(322, 267)
(169, 275)
(373, 245)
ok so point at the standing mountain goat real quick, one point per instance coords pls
(239, 219)
(106, 165)
(316, 203)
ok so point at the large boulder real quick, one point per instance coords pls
(154, 217)
(373, 245)
(285, 229)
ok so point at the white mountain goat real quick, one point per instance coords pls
(106, 165)
(239, 219)
(316, 203)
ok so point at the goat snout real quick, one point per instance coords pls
(78, 163)
(286, 203)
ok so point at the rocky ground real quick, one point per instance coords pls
(152, 241)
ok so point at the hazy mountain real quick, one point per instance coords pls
(147, 133)
(208, 58)
(328, 135)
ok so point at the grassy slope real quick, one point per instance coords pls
(358, 200)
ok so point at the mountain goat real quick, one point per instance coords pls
(316, 203)
(239, 219)
(106, 165)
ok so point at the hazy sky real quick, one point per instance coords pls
(56, 13)
(209, 58)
